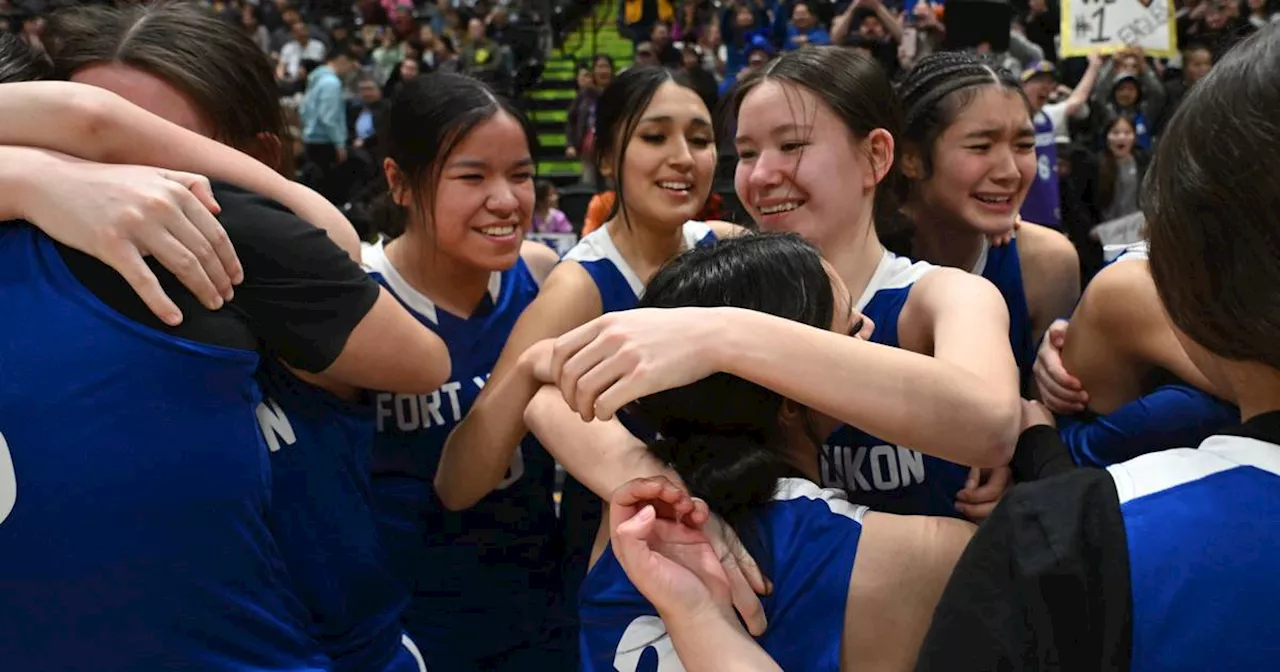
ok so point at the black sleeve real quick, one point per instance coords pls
(302, 294)
(1040, 454)
(301, 298)
(1044, 585)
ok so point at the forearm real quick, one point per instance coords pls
(97, 125)
(713, 642)
(900, 396)
(478, 451)
(602, 455)
(21, 171)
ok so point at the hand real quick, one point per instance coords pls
(119, 214)
(1034, 414)
(1094, 58)
(617, 358)
(570, 153)
(537, 361)
(1060, 391)
(1002, 239)
(671, 563)
(982, 492)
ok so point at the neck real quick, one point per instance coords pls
(646, 246)
(855, 256)
(454, 286)
(1256, 387)
(939, 242)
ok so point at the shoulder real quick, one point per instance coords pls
(569, 282)
(539, 258)
(943, 287)
(1043, 245)
(724, 229)
(1118, 293)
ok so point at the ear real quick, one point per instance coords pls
(791, 415)
(396, 181)
(268, 149)
(912, 162)
(880, 146)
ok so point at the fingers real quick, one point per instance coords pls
(1054, 394)
(976, 512)
(728, 545)
(567, 348)
(745, 600)
(185, 266)
(600, 378)
(127, 261)
(210, 228)
(205, 238)
(199, 187)
(975, 477)
(997, 481)
(672, 501)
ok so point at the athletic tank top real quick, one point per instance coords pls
(1133, 251)
(1003, 267)
(810, 538)
(322, 518)
(1203, 551)
(482, 580)
(620, 289)
(134, 485)
(1042, 204)
(872, 471)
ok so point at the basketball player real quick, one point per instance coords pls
(1165, 561)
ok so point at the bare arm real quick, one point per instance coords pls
(1119, 333)
(1051, 275)
(478, 451)
(1080, 95)
(97, 125)
(712, 642)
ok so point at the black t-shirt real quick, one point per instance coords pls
(301, 298)
(1044, 584)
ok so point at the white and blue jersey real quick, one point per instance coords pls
(620, 289)
(322, 519)
(485, 580)
(134, 485)
(1200, 526)
(810, 540)
(1003, 267)
(875, 472)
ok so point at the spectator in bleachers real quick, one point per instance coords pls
(32, 32)
(754, 56)
(482, 56)
(1131, 97)
(302, 47)
(663, 48)
(1121, 168)
(803, 30)
(740, 27)
(547, 217)
(703, 82)
(1197, 59)
(1215, 23)
(714, 53)
(636, 17)
(364, 113)
(1039, 81)
(290, 16)
(254, 28)
(645, 55)
(324, 125)
(876, 24)
(1260, 12)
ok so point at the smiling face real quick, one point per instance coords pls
(670, 160)
(484, 199)
(983, 163)
(800, 169)
(1120, 137)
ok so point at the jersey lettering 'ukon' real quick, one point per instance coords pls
(885, 477)
(809, 540)
(483, 580)
(134, 481)
(322, 518)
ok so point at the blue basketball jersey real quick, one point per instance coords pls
(1167, 417)
(874, 472)
(1200, 527)
(322, 518)
(811, 539)
(483, 580)
(1003, 267)
(620, 287)
(134, 486)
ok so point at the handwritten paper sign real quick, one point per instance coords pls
(1112, 25)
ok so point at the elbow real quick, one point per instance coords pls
(998, 434)
(92, 115)
(450, 498)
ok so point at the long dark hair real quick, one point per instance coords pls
(723, 434)
(212, 62)
(18, 62)
(1107, 166)
(1212, 194)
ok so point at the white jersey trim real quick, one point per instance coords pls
(598, 245)
(836, 500)
(1157, 472)
(373, 257)
(1128, 252)
(893, 272)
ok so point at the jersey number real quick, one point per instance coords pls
(644, 633)
(515, 470)
(8, 480)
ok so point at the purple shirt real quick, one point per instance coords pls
(1042, 205)
(555, 222)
